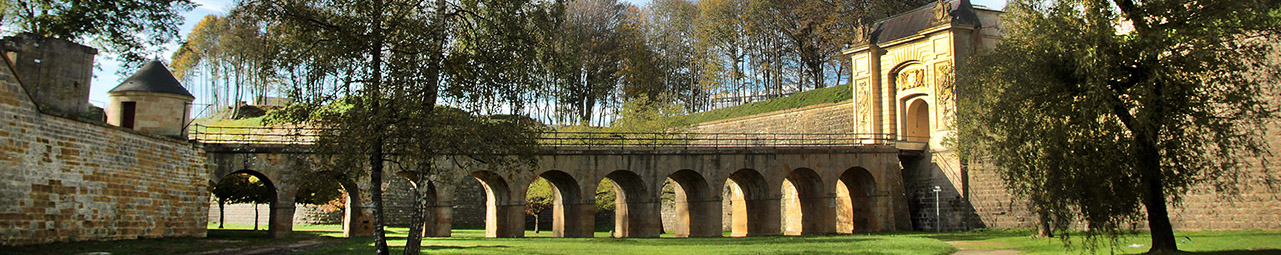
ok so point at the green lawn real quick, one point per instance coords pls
(1209, 242)
(471, 241)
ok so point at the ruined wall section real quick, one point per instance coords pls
(67, 180)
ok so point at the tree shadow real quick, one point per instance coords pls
(1233, 252)
(454, 247)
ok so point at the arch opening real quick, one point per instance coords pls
(501, 217)
(248, 187)
(634, 213)
(695, 211)
(749, 210)
(557, 194)
(428, 215)
(855, 198)
(803, 203)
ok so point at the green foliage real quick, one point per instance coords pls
(243, 188)
(319, 191)
(130, 29)
(642, 115)
(834, 94)
(1100, 125)
(539, 197)
(605, 195)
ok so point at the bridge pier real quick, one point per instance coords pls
(356, 222)
(280, 222)
(638, 219)
(574, 220)
(440, 221)
(700, 218)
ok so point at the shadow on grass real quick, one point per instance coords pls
(1234, 252)
(452, 247)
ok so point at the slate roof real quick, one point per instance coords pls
(153, 77)
(914, 21)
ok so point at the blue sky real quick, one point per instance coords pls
(106, 76)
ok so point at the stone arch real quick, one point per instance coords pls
(804, 203)
(855, 198)
(436, 218)
(751, 209)
(571, 216)
(503, 217)
(908, 75)
(355, 221)
(635, 212)
(697, 210)
(916, 120)
(280, 214)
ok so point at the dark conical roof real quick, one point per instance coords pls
(914, 21)
(153, 77)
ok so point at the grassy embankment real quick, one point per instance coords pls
(813, 97)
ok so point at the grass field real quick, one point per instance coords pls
(238, 238)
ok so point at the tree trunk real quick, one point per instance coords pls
(413, 243)
(222, 216)
(1158, 218)
(376, 156)
(1149, 164)
(535, 223)
(255, 216)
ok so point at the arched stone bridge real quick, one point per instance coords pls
(772, 190)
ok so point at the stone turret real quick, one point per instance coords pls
(55, 73)
(151, 101)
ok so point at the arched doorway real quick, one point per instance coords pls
(803, 204)
(855, 192)
(750, 206)
(696, 213)
(917, 121)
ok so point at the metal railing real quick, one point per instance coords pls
(574, 140)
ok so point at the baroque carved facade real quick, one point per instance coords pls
(904, 85)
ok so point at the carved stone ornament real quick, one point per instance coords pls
(910, 78)
(864, 106)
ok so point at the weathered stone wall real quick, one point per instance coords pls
(46, 68)
(67, 180)
(1257, 205)
(468, 204)
(822, 118)
(243, 214)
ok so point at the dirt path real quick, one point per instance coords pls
(270, 249)
(965, 248)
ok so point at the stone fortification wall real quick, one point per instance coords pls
(821, 118)
(243, 214)
(468, 204)
(67, 180)
(975, 198)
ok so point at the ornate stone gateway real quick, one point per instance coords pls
(903, 76)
